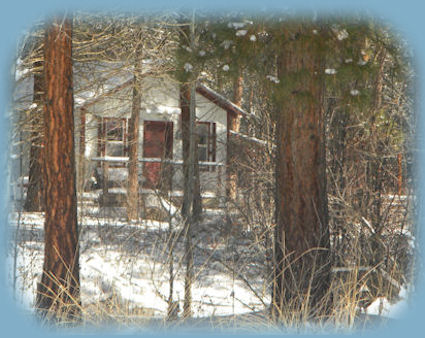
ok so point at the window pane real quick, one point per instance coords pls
(202, 132)
(202, 153)
(114, 149)
(114, 130)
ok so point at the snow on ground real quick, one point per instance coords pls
(128, 262)
(382, 307)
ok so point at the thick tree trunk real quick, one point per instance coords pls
(34, 200)
(302, 245)
(133, 137)
(58, 293)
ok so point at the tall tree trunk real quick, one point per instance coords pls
(192, 200)
(302, 244)
(192, 204)
(133, 140)
(34, 200)
(58, 293)
(377, 146)
(185, 122)
(233, 123)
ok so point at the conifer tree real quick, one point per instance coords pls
(58, 293)
(302, 246)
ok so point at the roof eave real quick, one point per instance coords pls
(219, 100)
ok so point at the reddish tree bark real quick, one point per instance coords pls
(58, 294)
(302, 255)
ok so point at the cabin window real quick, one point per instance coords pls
(206, 135)
(113, 134)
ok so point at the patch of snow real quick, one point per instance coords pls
(88, 151)
(382, 307)
(236, 25)
(20, 72)
(241, 32)
(330, 71)
(168, 109)
(343, 34)
(111, 159)
(253, 38)
(273, 79)
(188, 67)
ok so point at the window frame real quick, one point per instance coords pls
(104, 138)
(210, 145)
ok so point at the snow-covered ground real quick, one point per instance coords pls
(126, 264)
(129, 263)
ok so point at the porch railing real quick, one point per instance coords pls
(107, 160)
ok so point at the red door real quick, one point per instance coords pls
(157, 144)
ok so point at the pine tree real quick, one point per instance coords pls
(302, 246)
(58, 293)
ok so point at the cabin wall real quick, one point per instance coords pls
(214, 181)
(160, 102)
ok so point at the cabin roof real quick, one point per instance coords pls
(219, 100)
(210, 94)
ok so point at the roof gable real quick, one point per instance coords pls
(219, 100)
(201, 89)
